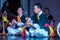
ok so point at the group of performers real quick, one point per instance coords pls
(35, 26)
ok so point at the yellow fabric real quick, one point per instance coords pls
(51, 31)
(22, 29)
(38, 17)
(5, 19)
(54, 28)
(18, 18)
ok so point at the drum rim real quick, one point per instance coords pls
(58, 29)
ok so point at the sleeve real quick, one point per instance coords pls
(23, 19)
(50, 17)
(34, 19)
(36, 26)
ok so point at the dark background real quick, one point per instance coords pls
(53, 5)
(13, 5)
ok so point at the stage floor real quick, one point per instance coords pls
(28, 38)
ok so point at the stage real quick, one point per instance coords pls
(28, 38)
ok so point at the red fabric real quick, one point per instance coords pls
(24, 33)
(47, 25)
(12, 17)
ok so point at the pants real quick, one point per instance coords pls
(38, 32)
(16, 31)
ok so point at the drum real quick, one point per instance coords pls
(58, 29)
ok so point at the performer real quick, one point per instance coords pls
(20, 23)
(5, 18)
(39, 20)
(50, 17)
(51, 20)
(20, 16)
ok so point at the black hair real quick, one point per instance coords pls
(3, 11)
(4, 5)
(47, 9)
(38, 5)
(21, 7)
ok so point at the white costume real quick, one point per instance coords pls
(17, 30)
(38, 32)
(33, 31)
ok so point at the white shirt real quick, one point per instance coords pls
(21, 15)
(36, 25)
(39, 13)
(47, 15)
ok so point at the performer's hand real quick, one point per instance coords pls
(10, 24)
(14, 21)
(30, 23)
(26, 18)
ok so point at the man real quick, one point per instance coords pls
(47, 13)
(39, 20)
(50, 17)
(51, 20)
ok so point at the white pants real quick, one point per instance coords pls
(38, 32)
(16, 31)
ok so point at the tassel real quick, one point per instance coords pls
(52, 34)
(51, 31)
(18, 18)
(24, 32)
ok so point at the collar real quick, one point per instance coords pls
(20, 15)
(47, 15)
(40, 13)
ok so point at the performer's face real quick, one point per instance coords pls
(19, 11)
(5, 13)
(7, 4)
(36, 9)
(46, 11)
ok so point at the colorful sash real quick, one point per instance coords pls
(18, 18)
